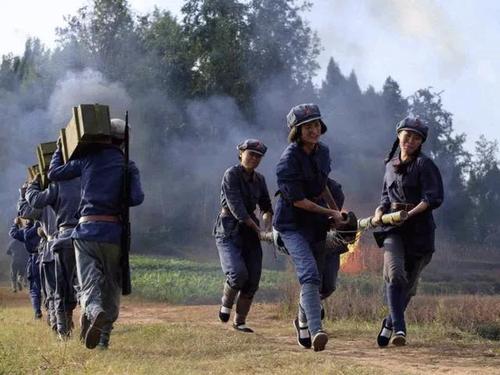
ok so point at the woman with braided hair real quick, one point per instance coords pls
(412, 182)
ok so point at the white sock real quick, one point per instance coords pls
(225, 310)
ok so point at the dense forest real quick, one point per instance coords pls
(196, 86)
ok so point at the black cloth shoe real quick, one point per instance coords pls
(242, 328)
(94, 332)
(224, 314)
(399, 338)
(384, 336)
(303, 335)
(84, 326)
(319, 341)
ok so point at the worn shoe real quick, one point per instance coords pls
(103, 342)
(384, 336)
(38, 315)
(399, 338)
(303, 335)
(242, 328)
(224, 314)
(84, 326)
(94, 332)
(319, 341)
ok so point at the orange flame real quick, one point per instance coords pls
(361, 258)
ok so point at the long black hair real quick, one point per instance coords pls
(399, 166)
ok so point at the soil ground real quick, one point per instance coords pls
(351, 349)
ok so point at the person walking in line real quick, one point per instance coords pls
(412, 182)
(237, 232)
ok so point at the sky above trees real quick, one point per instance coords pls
(452, 46)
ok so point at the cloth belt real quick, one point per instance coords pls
(106, 218)
(402, 207)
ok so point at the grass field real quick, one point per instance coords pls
(182, 281)
(165, 327)
(157, 338)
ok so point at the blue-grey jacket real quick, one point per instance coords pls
(28, 236)
(101, 172)
(64, 198)
(47, 221)
(240, 194)
(421, 182)
(302, 176)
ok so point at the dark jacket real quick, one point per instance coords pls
(27, 235)
(420, 182)
(64, 198)
(240, 194)
(302, 176)
(101, 172)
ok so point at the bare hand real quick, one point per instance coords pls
(267, 220)
(337, 218)
(377, 218)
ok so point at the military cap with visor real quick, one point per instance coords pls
(253, 145)
(414, 125)
(304, 113)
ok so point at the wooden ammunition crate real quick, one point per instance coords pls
(89, 124)
(32, 172)
(44, 153)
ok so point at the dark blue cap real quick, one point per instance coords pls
(414, 125)
(304, 113)
(253, 145)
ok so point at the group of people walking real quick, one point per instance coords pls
(309, 204)
(72, 231)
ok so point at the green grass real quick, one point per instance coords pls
(187, 282)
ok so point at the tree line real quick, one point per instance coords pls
(225, 69)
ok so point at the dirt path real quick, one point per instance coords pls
(419, 357)
(444, 358)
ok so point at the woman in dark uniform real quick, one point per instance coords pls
(302, 215)
(412, 182)
(237, 232)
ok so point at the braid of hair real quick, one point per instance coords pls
(395, 146)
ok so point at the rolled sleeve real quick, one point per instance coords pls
(232, 191)
(290, 179)
(432, 184)
(385, 201)
(265, 204)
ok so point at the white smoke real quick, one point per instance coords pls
(86, 87)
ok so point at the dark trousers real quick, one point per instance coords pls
(241, 261)
(17, 274)
(401, 274)
(65, 293)
(33, 275)
(99, 277)
(48, 279)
